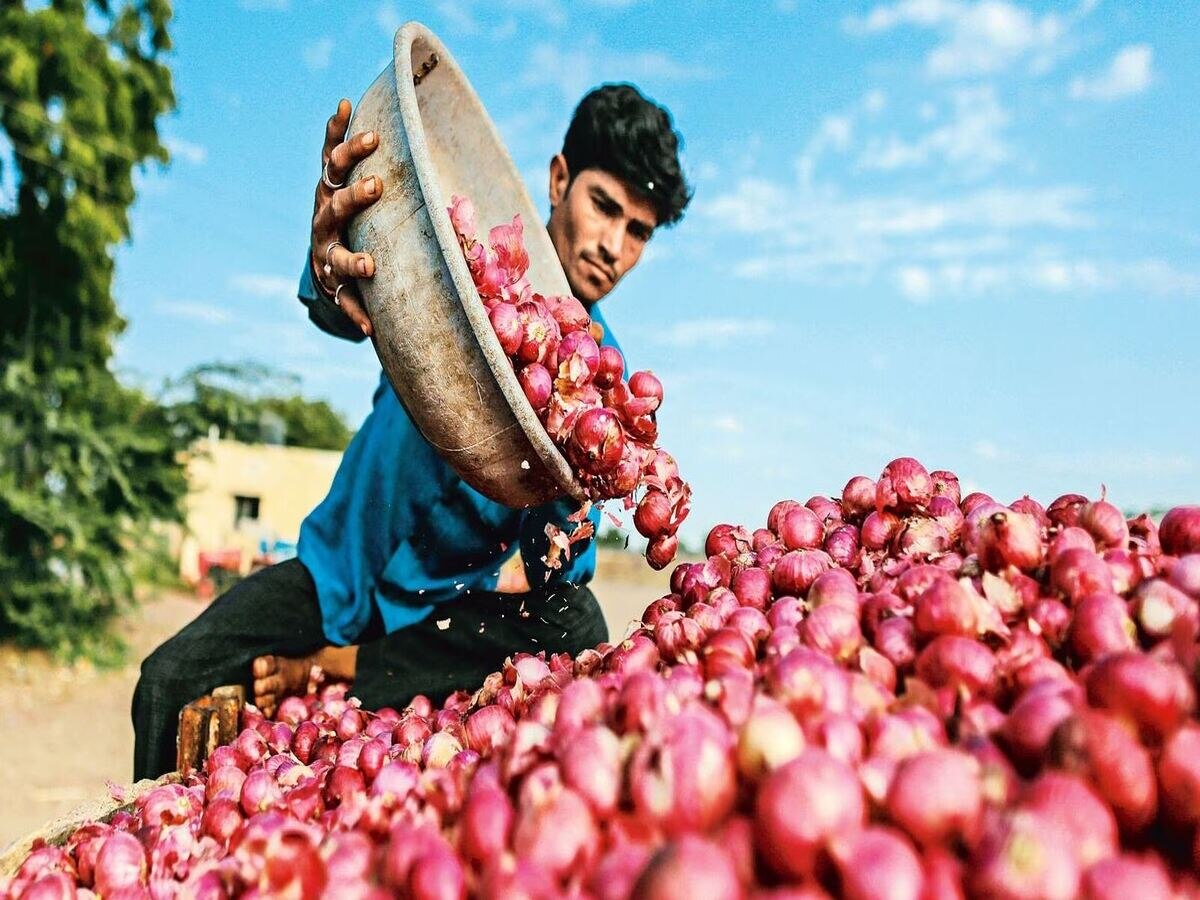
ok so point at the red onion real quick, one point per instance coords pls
(827, 510)
(797, 570)
(633, 654)
(896, 640)
(1031, 507)
(1105, 523)
(1156, 695)
(904, 485)
(487, 820)
(1101, 625)
(597, 441)
(1179, 531)
(1066, 510)
(661, 550)
(1157, 606)
(945, 607)
(688, 868)
(958, 662)
(878, 862)
(936, 796)
(683, 777)
(832, 629)
(1077, 572)
(1069, 803)
(801, 529)
(973, 501)
(945, 484)
(777, 512)
(1033, 719)
(770, 737)
(751, 623)
(591, 764)
(1185, 575)
(842, 545)
(1097, 746)
(537, 384)
(858, 496)
(1124, 876)
(610, 369)
(1024, 854)
(1008, 538)
(506, 322)
(836, 587)
(878, 529)
(437, 875)
(120, 864)
(802, 806)
(558, 835)
(617, 871)
(728, 649)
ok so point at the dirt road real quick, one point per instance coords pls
(67, 729)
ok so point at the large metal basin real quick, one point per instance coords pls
(432, 333)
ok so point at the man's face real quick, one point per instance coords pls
(599, 227)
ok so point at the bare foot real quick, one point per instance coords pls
(275, 677)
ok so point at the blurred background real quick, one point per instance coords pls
(962, 231)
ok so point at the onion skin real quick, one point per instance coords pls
(904, 485)
(858, 497)
(803, 805)
(959, 663)
(1155, 695)
(1101, 625)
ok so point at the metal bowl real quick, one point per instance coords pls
(432, 332)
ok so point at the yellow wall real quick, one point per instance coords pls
(289, 482)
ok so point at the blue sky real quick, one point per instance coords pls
(962, 231)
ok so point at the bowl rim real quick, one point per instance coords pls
(460, 276)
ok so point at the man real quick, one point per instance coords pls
(408, 580)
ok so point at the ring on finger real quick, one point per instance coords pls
(326, 179)
(328, 268)
(337, 299)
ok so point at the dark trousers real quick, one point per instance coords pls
(275, 611)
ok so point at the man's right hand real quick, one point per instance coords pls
(334, 208)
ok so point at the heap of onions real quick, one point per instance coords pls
(605, 425)
(896, 692)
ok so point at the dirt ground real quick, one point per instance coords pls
(68, 729)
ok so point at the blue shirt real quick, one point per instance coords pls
(400, 532)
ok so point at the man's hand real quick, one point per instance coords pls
(333, 210)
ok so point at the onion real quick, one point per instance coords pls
(959, 663)
(777, 512)
(1124, 876)
(683, 777)
(1024, 854)
(945, 607)
(633, 654)
(1033, 508)
(904, 485)
(827, 510)
(538, 384)
(557, 835)
(1009, 538)
(835, 587)
(1156, 695)
(438, 875)
(1077, 572)
(579, 344)
(488, 729)
(688, 868)
(250, 747)
(842, 545)
(726, 540)
(751, 623)
(973, 501)
(728, 649)
(797, 570)
(1033, 719)
(833, 630)
(1105, 523)
(945, 484)
(752, 586)
(936, 796)
(506, 322)
(1179, 531)
(487, 820)
(225, 782)
(785, 611)
(610, 369)
(597, 441)
(858, 496)
(896, 640)
(50, 886)
(1157, 606)
(808, 682)
(591, 764)
(947, 514)
(878, 862)
(617, 871)
(661, 550)
(801, 529)
(1101, 626)
(1097, 746)
(120, 864)
(921, 537)
(878, 529)
(1069, 803)
(1185, 575)
(1066, 510)
(801, 807)
(770, 737)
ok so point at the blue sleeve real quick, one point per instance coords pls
(323, 312)
(580, 568)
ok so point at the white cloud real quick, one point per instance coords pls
(318, 54)
(914, 283)
(988, 450)
(971, 141)
(186, 150)
(875, 101)
(976, 38)
(833, 133)
(714, 332)
(574, 70)
(278, 286)
(727, 423)
(1130, 72)
(193, 311)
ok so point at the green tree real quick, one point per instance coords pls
(245, 401)
(87, 462)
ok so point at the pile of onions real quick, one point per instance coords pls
(606, 426)
(896, 692)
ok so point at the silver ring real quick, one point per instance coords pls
(325, 178)
(328, 267)
(337, 300)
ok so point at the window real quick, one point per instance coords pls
(244, 508)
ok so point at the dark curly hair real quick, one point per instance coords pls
(615, 128)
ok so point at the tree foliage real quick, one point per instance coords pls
(88, 462)
(247, 402)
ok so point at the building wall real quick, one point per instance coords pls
(287, 482)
